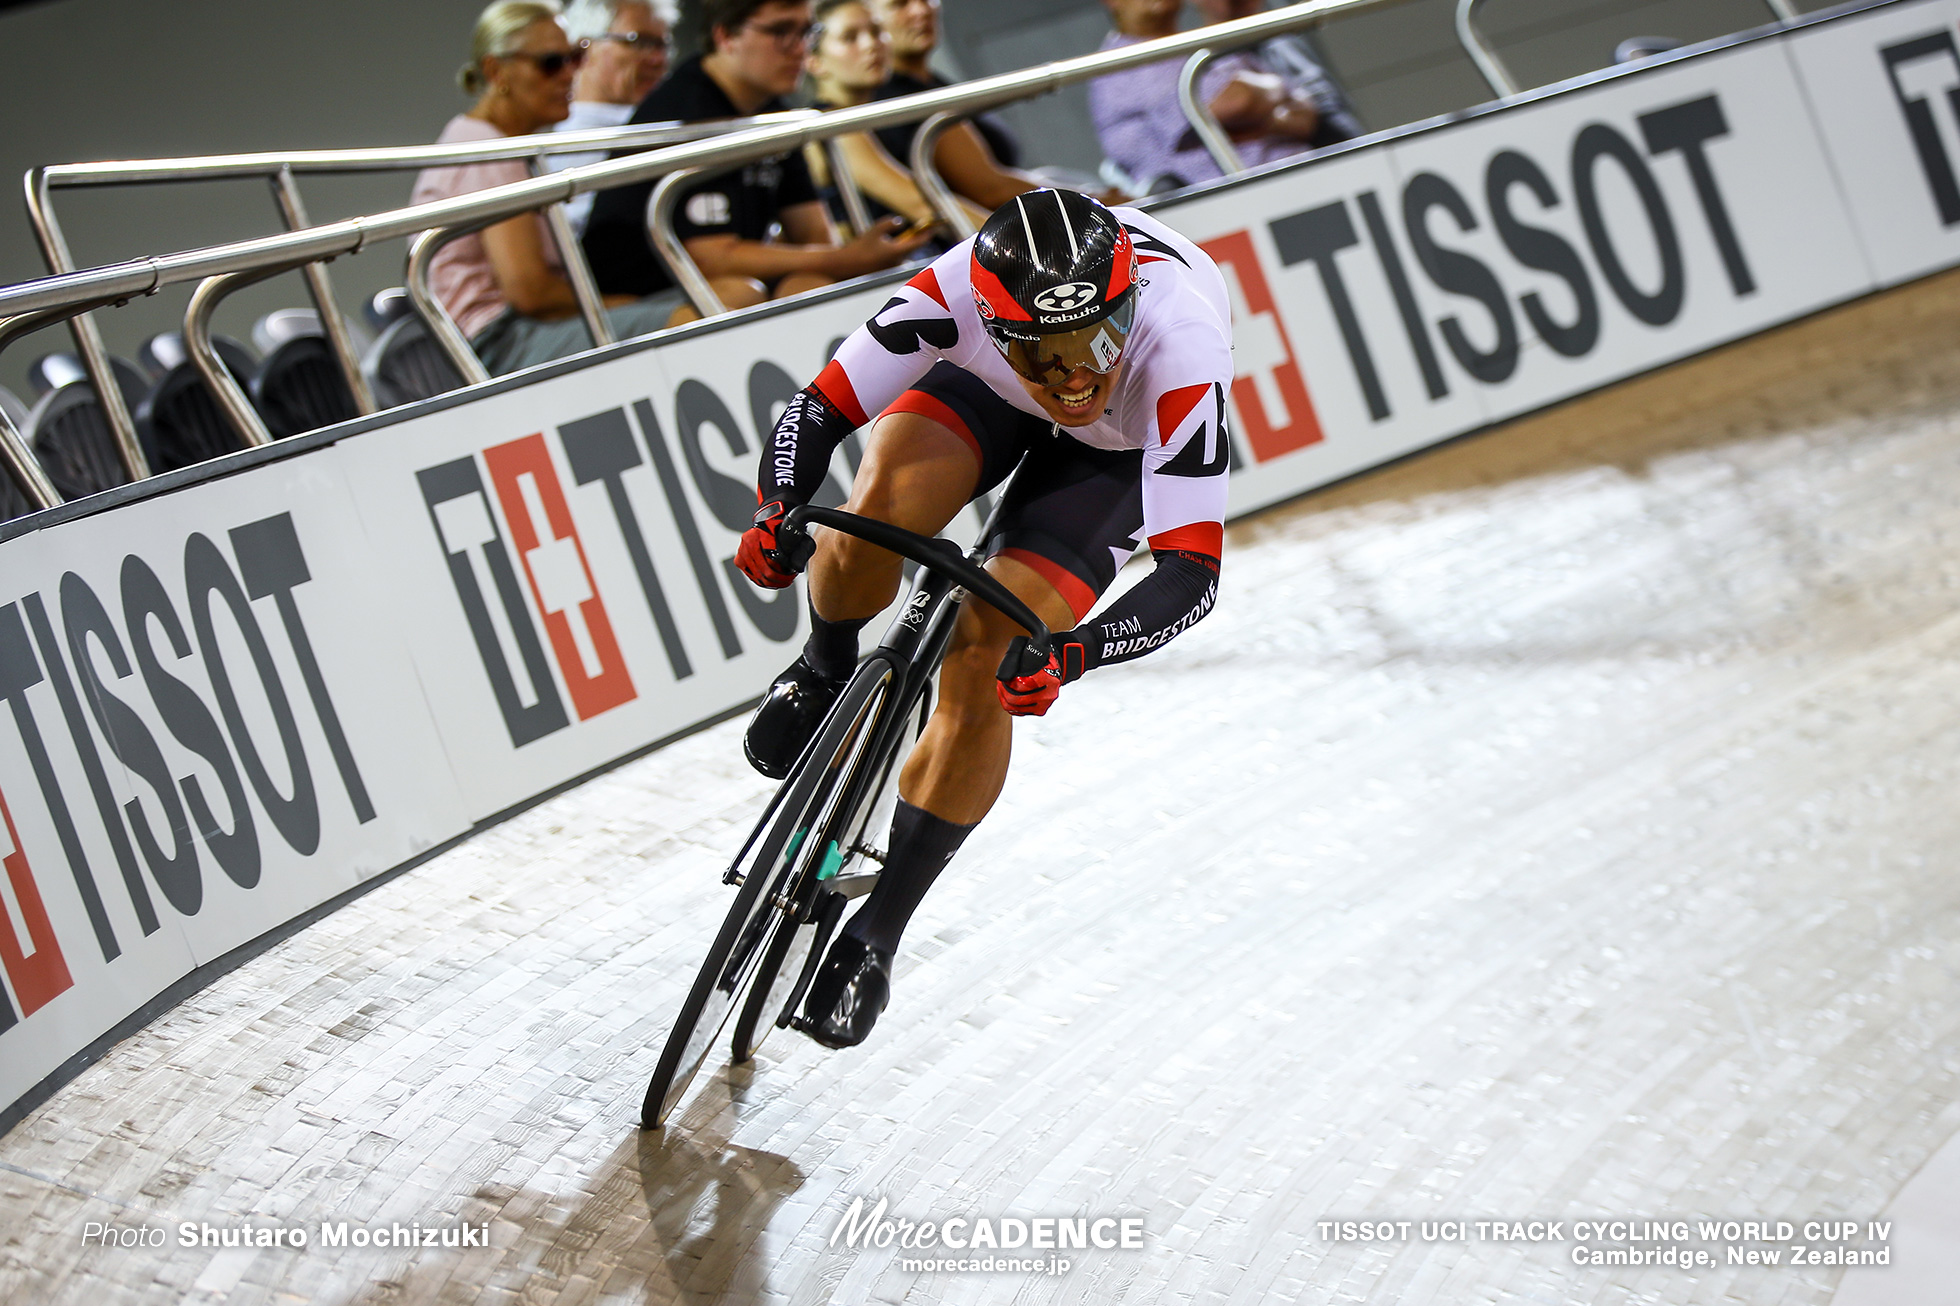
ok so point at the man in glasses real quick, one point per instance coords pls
(1097, 343)
(755, 58)
(625, 43)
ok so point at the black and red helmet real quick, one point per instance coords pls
(1055, 281)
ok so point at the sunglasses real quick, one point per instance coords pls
(786, 33)
(550, 65)
(1053, 358)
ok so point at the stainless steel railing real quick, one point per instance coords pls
(281, 170)
(1498, 75)
(36, 304)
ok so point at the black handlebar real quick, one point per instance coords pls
(1025, 656)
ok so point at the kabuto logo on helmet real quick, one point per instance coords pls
(1065, 298)
(981, 305)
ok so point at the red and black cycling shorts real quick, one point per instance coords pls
(1074, 514)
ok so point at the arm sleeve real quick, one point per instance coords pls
(1173, 597)
(876, 363)
(1185, 471)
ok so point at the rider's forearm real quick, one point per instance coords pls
(798, 452)
(1176, 595)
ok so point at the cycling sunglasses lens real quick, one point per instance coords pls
(1048, 360)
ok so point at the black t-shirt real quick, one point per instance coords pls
(744, 202)
(897, 140)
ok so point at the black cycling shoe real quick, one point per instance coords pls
(848, 994)
(787, 716)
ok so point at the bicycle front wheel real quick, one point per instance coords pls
(864, 764)
(770, 868)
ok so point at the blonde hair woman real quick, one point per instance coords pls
(506, 285)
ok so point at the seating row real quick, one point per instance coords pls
(296, 386)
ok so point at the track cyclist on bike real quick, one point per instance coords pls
(1098, 342)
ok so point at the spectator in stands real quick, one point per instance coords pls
(976, 158)
(755, 58)
(625, 44)
(1269, 114)
(850, 60)
(1291, 56)
(506, 285)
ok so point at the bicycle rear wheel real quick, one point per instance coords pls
(773, 860)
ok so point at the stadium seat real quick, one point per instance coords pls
(12, 502)
(180, 421)
(71, 436)
(386, 307)
(1642, 47)
(406, 364)
(164, 352)
(300, 388)
(52, 371)
(283, 324)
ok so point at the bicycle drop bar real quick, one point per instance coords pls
(1024, 656)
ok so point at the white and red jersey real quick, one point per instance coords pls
(1169, 400)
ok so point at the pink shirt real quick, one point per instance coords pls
(461, 275)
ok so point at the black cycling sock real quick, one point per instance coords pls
(921, 846)
(833, 646)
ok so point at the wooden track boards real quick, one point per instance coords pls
(1559, 825)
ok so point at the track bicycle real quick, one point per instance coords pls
(813, 849)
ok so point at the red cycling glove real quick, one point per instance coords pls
(763, 557)
(1033, 694)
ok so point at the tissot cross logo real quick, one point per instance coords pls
(1925, 73)
(1065, 299)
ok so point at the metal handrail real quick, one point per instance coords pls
(660, 229)
(1199, 115)
(687, 274)
(71, 293)
(1498, 75)
(933, 186)
(280, 169)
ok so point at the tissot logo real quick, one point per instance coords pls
(1635, 264)
(1065, 299)
(195, 748)
(522, 526)
(1925, 76)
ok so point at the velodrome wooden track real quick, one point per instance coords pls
(1561, 825)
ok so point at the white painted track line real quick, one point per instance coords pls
(1558, 826)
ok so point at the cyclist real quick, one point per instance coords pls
(1098, 342)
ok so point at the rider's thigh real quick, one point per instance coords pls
(983, 631)
(916, 473)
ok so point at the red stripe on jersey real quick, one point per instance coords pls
(1206, 537)
(1075, 591)
(928, 285)
(928, 406)
(1173, 406)
(835, 385)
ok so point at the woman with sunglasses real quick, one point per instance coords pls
(506, 285)
(1093, 347)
